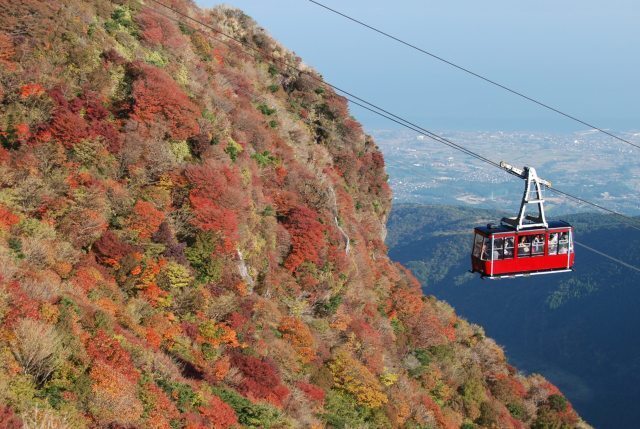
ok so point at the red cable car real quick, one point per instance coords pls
(524, 245)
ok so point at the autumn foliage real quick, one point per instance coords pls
(191, 237)
(157, 98)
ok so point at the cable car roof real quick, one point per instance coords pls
(496, 229)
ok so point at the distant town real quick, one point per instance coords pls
(422, 170)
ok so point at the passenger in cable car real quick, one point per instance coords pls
(538, 244)
(563, 244)
(497, 248)
(523, 247)
(553, 243)
(508, 247)
(485, 251)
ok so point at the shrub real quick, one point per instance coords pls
(218, 414)
(557, 402)
(43, 419)
(174, 276)
(38, 348)
(343, 411)
(233, 149)
(250, 414)
(202, 259)
(307, 236)
(8, 419)
(145, 219)
(113, 400)
(297, 333)
(261, 380)
(354, 378)
(158, 98)
(185, 397)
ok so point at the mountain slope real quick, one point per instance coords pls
(576, 329)
(191, 237)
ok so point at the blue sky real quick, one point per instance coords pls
(579, 56)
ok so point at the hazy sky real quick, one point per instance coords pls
(581, 56)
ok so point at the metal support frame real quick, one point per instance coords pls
(532, 195)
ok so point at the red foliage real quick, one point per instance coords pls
(68, 127)
(261, 380)
(210, 217)
(307, 237)
(85, 279)
(216, 200)
(145, 219)
(22, 305)
(110, 250)
(7, 49)
(442, 421)
(158, 98)
(31, 90)
(312, 391)
(8, 419)
(7, 218)
(217, 414)
(158, 30)
(103, 348)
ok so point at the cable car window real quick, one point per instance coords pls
(508, 248)
(498, 248)
(553, 243)
(477, 245)
(486, 244)
(524, 247)
(570, 243)
(563, 243)
(537, 245)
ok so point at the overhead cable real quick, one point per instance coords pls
(477, 75)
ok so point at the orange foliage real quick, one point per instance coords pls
(145, 219)
(221, 368)
(153, 338)
(114, 399)
(442, 421)
(31, 90)
(296, 332)
(7, 218)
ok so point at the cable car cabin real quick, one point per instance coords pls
(526, 244)
(502, 251)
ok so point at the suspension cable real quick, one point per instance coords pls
(477, 75)
(632, 267)
(635, 223)
(400, 121)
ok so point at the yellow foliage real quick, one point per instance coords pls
(353, 377)
(174, 276)
(388, 378)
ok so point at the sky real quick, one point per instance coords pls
(580, 56)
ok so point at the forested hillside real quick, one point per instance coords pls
(191, 237)
(578, 329)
